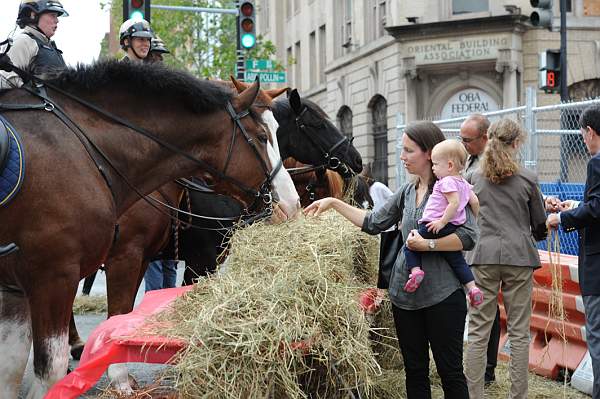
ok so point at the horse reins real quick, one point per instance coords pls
(332, 162)
(263, 193)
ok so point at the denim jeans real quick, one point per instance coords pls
(161, 274)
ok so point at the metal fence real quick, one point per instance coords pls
(555, 149)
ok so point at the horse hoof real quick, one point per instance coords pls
(77, 350)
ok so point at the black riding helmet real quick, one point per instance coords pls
(158, 46)
(39, 7)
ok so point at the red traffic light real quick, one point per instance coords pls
(137, 3)
(247, 25)
(247, 9)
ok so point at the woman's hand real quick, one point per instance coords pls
(415, 242)
(320, 206)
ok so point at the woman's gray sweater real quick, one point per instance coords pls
(439, 282)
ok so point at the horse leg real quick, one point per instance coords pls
(15, 342)
(123, 279)
(52, 309)
(75, 341)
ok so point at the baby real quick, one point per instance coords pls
(443, 213)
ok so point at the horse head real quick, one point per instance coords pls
(285, 192)
(307, 134)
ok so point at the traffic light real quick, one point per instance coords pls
(550, 71)
(136, 9)
(247, 24)
(543, 15)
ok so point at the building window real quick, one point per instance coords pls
(344, 119)
(343, 38)
(469, 6)
(378, 110)
(264, 15)
(322, 53)
(377, 16)
(312, 55)
(297, 66)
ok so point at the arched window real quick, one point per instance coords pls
(344, 119)
(378, 109)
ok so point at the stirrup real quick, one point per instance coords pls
(8, 249)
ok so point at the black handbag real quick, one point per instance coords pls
(390, 244)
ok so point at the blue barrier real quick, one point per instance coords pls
(564, 191)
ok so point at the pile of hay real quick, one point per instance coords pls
(90, 304)
(284, 319)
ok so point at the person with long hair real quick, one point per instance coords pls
(511, 218)
(434, 316)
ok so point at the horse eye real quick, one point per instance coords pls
(263, 138)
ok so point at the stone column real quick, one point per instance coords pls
(507, 65)
(409, 73)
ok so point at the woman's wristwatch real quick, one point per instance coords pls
(431, 245)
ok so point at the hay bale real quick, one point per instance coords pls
(284, 320)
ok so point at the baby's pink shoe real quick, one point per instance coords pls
(414, 280)
(475, 296)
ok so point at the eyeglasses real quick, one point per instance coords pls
(468, 140)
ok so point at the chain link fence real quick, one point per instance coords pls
(555, 149)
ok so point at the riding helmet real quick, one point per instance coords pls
(135, 28)
(24, 17)
(158, 46)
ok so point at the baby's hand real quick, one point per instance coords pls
(435, 226)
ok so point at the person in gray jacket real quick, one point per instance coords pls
(433, 316)
(512, 216)
(33, 50)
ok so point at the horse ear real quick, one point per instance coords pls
(295, 101)
(240, 86)
(273, 93)
(248, 96)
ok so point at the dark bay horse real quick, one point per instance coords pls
(314, 183)
(64, 217)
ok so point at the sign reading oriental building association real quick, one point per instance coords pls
(472, 48)
(468, 101)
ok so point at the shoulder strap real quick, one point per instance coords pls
(402, 199)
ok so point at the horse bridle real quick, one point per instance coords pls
(331, 162)
(264, 191)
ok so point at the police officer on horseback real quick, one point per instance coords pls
(32, 49)
(135, 36)
(157, 49)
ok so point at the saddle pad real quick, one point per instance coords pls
(11, 177)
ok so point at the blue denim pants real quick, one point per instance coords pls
(161, 274)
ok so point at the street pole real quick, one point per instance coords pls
(564, 94)
(240, 67)
(566, 141)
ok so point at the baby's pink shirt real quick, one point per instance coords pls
(437, 202)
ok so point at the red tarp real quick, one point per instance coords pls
(112, 342)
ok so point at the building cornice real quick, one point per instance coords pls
(403, 33)
(362, 52)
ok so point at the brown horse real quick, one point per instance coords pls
(313, 183)
(143, 232)
(82, 166)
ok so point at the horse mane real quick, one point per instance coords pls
(146, 79)
(281, 104)
(336, 183)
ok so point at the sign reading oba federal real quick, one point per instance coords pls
(457, 50)
(467, 102)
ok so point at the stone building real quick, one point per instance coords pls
(370, 63)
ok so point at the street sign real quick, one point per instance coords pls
(265, 77)
(259, 65)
